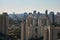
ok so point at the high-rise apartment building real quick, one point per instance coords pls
(4, 23)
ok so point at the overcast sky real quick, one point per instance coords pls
(20, 6)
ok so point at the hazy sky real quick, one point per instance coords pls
(20, 6)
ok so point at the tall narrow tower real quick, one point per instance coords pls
(23, 37)
(0, 23)
(5, 23)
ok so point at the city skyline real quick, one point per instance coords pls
(30, 26)
(20, 6)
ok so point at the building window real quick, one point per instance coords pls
(36, 30)
(59, 35)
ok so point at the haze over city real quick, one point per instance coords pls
(29, 19)
(20, 6)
